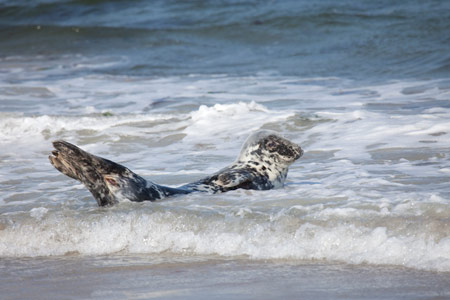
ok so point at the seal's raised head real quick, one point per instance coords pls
(267, 146)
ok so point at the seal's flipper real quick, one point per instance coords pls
(233, 179)
(109, 182)
(86, 168)
(227, 179)
(106, 180)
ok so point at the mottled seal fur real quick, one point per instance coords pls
(262, 165)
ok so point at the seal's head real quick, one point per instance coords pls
(267, 146)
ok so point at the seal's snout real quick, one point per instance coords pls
(298, 152)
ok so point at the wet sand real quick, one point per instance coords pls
(167, 277)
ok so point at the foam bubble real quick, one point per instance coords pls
(38, 212)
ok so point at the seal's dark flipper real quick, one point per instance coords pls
(106, 180)
(86, 168)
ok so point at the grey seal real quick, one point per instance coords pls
(261, 165)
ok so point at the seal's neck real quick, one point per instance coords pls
(276, 173)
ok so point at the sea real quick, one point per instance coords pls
(171, 89)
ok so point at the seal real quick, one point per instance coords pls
(261, 165)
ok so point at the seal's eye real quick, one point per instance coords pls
(271, 145)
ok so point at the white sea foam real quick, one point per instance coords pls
(18, 128)
(280, 236)
(38, 212)
(232, 122)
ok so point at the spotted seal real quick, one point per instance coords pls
(261, 165)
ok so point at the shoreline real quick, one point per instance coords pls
(171, 277)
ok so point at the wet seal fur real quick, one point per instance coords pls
(262, 165)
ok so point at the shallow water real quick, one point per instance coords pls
(364, 89)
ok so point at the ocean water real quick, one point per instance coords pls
(171, 89)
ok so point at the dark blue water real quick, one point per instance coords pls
(363, 40)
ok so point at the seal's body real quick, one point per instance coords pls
(262, 165)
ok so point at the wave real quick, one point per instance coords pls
(217, 120)
(241, 231)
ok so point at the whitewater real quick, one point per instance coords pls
(372, 187)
